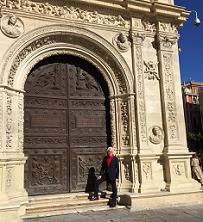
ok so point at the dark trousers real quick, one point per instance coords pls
(113, 185)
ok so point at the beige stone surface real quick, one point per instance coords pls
(142, 74)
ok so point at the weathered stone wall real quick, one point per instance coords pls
(135, 50)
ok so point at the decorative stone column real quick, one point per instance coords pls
(175, 155)
(123, 137)
(13, 196)
(146, 160)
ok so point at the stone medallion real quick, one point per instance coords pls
(12, 26)
(156, 134)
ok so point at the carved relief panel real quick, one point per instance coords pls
(65, 125)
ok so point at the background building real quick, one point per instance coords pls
(192, 109)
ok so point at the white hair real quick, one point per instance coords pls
(110, 149)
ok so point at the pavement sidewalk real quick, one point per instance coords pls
(189, 213)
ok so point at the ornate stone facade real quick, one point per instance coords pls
(137, 58)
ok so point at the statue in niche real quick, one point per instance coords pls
(12, 26)
(151, 70)
(121, 41)
(156, 135)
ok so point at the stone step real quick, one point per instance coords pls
(48, 205)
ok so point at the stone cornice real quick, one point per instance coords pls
(176, 13)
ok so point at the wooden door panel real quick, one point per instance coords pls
(82, 161)
(65, 125)
(46, 171)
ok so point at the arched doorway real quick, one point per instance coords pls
(67, 124)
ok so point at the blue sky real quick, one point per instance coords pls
(191, 43)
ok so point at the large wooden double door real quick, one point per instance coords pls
(66, 125)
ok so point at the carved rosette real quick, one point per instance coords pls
(178, 169)
(65, 12)
(138, 39)
(170, 97)
(9, 122)
(125, 123)
(20, 122)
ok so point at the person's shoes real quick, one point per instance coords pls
(94, 198)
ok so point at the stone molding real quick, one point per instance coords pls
(50, 36)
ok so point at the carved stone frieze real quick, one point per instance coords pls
(168, 27)
(121, 42)
(151, 70)
(66, 12)
(156, 134)
(12, 26)
(170, 96)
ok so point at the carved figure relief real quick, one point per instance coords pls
(12, 26)
(151, 70)
(147, 170)
(67, 12)
(44, 170)
(178, 169)
(85, 163)
(127, 168)
(156, 134)
(121, 42)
